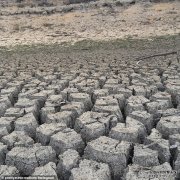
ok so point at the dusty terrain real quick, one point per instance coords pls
(95, 110)
(105, 22)
(105, 111)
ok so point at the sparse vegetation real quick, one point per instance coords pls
(48, 25)
(74, 23)
(16, 27)
(20, 5)
(166, 42)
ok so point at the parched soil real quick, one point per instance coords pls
(142, 20)
(106, 110)
(74, 106)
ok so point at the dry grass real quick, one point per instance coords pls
(135, 21)
(16, 27)
(30, 3)
(162, 6)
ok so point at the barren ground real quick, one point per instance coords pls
(91, 94)
(143, 20)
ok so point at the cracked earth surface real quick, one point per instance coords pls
(90, 116)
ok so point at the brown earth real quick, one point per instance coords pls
(142, 20)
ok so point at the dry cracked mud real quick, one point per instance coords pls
(96, 114)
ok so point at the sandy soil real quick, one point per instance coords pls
(136, 21)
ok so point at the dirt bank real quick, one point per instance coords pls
(142, 20)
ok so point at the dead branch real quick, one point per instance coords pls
(156, 55)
